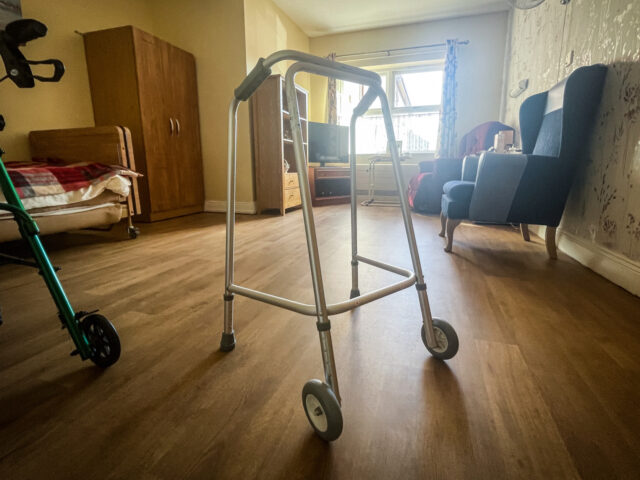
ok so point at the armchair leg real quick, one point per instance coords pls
(550, 242)
(443, 223)
(451, 226)
(524, 229)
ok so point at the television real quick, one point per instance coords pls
(328, 143)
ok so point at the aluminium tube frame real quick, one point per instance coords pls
(321, 310)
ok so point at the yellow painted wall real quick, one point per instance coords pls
(269, 29)
(214, 32)
(226, 37)
(480, 65)
(65, 104)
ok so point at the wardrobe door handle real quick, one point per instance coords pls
(171, 125)
(177, 126)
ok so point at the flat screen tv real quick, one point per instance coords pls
(328, 143)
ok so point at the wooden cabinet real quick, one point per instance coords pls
(276, 188)
(329, 185)
(149, 85)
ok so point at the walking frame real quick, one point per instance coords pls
(322, 400)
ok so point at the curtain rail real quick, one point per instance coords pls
(388, 52)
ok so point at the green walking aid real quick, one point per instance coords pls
(94, 336)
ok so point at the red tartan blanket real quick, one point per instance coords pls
(50, 177)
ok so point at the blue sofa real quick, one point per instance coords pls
(532, 187)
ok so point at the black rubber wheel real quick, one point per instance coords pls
(322, 409)
(103, 338)
(133, 232)
(446, 337)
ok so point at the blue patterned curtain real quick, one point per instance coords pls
(332, 104)
(447, 135)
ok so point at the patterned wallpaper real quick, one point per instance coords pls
(604, 204)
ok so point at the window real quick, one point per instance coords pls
(415, 97)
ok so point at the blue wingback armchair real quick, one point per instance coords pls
(532, 187)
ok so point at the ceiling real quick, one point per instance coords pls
(324, 17)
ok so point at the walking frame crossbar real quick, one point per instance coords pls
(335, 308)
(321, 66)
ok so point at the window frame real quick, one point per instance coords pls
(390, 71)
(390, 89)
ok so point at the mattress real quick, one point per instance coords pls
(106, 209)
(104, 198)
(117, 184)
(67, 197)
(95, 216)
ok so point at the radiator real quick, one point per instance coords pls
(385, 183)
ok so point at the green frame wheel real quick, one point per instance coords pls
(103, 339)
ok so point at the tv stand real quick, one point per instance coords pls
(329, 185)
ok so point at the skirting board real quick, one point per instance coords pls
(221, 206)
(611, 265)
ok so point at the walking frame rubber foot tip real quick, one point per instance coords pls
(228, 342)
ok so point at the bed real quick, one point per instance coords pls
(97, 188)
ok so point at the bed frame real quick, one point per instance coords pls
(110, 145)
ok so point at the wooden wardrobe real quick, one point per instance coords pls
(148, 85)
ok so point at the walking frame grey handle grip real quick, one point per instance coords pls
(262, 70)
(366, 101)
(251, 83)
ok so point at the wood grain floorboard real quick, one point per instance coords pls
(545, 385)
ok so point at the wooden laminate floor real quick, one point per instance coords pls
(546, 383)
